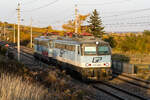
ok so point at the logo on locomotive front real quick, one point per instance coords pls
(97, 59)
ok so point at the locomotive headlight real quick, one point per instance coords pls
(106, 64)
(87, 64)
(97, 42)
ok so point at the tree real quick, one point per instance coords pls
(70, 26)
(111, 41)
(146, 32)
(95, 24)
(49, 29)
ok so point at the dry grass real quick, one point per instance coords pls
(36, 84)
(13, 88)
(144, 74)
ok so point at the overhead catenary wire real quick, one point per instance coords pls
(9, 18)
(103, 4)
(30, 2)
(128, 18)
(43, 6)
(104, 18)
(127, 24)
(127, 12)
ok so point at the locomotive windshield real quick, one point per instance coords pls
(90, 50)
(102, 50)
(96, 50)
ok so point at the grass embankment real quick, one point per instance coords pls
(143, 72)
(134, 48)
(144, 75)
(14, 88)
(20, 83)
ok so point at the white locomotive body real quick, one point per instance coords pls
(89, 57)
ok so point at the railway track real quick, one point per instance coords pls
(110, 89)
(117, 92)
(125, 88)
(133, 80)
(27, 50)
(29, 57)
(118, 97)
(131, 88)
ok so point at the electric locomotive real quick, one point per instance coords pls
(89, 57)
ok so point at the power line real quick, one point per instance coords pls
(124, 13)
(30, 2)
(102, 4)
(12, 16)
(128, 12)
(44, 6)
(123, 19)
(64, 11)
(128, 24)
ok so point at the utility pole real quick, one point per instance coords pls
(76, 19)
(4, 32)
(18, 43)
(1, 34)
(31, 34)
(14, 34)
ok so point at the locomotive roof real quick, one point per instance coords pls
(46, 38)
(82, 40)
(74, 40)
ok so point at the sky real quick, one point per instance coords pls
(116, 15)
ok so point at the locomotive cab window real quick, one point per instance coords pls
(89, 50)
(95, 50)
(102, 50)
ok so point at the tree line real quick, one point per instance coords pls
(133, 43)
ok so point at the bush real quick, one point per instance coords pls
(11, 55)
(111, 41)
(13, 88)
(146, 32)
(3, 50)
